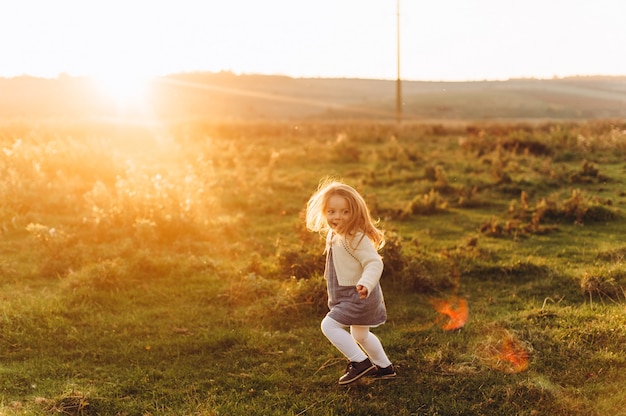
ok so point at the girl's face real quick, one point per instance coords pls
(337, 212)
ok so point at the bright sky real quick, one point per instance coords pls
(440, 39)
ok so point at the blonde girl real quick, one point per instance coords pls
(353, 270)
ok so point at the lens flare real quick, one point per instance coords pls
(455, 309)
(503, 351)
(513, 353)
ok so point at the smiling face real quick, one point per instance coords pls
(338, 212)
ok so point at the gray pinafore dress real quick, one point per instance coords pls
(345, 305)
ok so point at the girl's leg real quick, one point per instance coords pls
(371, 344)
(340, 338)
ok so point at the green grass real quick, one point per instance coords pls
(181, 280)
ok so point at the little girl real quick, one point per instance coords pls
(353, 270)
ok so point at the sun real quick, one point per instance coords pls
(127, 91)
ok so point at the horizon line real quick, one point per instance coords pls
(63, 75)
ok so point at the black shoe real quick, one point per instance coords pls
(357, 370)
(385, 373)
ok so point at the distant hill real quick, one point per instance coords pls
(226, 96)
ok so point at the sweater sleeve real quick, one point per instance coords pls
(371, 262)
(329, 239)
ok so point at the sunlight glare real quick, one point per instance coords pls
(127, 91)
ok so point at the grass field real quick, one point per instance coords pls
(226, 96)
(166, 270)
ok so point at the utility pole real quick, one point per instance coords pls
(398, 83)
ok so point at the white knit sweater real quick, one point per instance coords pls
(360, 265)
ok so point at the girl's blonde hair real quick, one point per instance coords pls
(361, 219)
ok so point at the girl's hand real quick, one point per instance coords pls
(362, 291)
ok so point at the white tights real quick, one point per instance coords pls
(350, 344)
